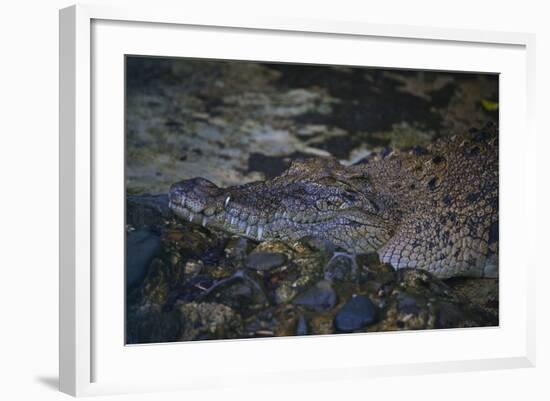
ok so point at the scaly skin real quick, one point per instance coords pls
(433, 208)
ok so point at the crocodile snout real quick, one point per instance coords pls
(195, 195)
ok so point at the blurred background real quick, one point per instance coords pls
(234, 122)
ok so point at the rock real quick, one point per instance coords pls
(449, 316)
(195, 287)
(416, 300)
(322, 324)
(147, 210)
(302, 267)
(240, 292)
(280, 320)
(156, 286)
(192, 241)
(284, 293)
(408, 304)
(412, 311)
(192, 267)
(320, 297)
(202, 321)
(357, 313)
(482, 293)
(142, 246)
(376, 272)
(149, 324)
(323, 246)
(301, 326)
(341, 267)
(415, 311)
(264, 261)
(237, 248)
(422, 281)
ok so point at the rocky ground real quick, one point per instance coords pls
(189, 283)
(239, 122)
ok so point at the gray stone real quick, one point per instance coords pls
(357, 313)
(320, 297)
(264, 261)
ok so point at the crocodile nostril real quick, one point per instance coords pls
(176, 197)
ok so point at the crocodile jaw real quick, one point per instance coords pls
(261, 211)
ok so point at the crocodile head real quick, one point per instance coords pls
(317, 198)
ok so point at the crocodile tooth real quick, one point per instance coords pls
(204, 221)
(248, 230)
(260, 232)
(191, 217)
(242, 225)
(227, 201)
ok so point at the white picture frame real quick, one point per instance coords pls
(82, 344)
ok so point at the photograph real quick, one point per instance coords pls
(271, 199)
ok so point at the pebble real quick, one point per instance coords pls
(284, 293)
(323, 246)
(449, 316)
(301, 326)
(264, 261)
(320, 297)
(408, 305)
(358, 312)
(340, 268)
(240, 292)
(237, 248)
(192, 267)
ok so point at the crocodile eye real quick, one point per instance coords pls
(350, 196)
(321, 204)
(330, 203)
(334, 202)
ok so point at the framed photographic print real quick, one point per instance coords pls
(241, 191)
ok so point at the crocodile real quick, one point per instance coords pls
(433, 208)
